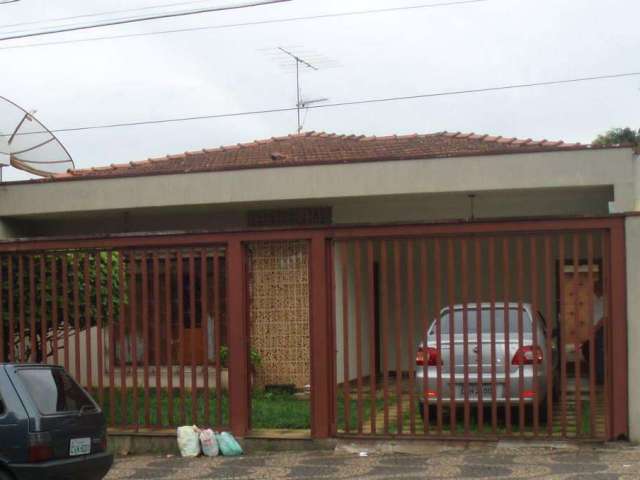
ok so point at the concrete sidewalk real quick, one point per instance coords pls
(419, 461)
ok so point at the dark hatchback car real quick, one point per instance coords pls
(50, 427)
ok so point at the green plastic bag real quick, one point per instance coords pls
(229, 447)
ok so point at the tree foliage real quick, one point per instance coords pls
(618, 136)
(44, 296)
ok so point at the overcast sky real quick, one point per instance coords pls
(381, 55)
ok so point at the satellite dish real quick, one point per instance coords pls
(28, 145)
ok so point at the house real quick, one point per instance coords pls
(330, 255)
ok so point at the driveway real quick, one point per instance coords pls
(617, 461)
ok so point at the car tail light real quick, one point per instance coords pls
(428, 356)
(527, 355)
(40, 448)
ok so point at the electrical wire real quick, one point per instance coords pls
(99, 14)
(142, 19)
(351, 103)
(249, 24)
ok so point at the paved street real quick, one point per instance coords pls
(618, 461)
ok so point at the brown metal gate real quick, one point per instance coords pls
(129, 316)
(143, 329)
(478, 333)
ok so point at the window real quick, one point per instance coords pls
(485, 315)
(290, 217)
(53, 390)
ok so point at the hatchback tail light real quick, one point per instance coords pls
(40, 448)
(428, 356)
(103, 442)
(527, 355)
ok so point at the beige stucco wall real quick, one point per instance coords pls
(633, 319)
(632, 225)
(579, 168)
(340, 317)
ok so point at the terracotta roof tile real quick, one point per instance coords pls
(313, 148)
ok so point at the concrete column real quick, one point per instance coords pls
(624, 194)
(633, 322)
(636, 177)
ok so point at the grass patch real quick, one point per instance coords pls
(282, 410)
(353, 411)
(279, 409)
(473, 424)
(268, 410)
(128, 410)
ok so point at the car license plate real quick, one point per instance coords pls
(79, 446)
(472, 388)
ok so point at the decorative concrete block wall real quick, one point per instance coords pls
(279, 311)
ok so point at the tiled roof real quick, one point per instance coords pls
(317, 148)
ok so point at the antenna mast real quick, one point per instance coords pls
(302, 59)
(299, 61)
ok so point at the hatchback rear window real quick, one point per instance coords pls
(53, 390)
(485, 315)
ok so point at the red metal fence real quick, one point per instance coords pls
(143, 329)
(145, 321)
(474, 335)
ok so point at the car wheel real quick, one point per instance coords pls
(543, 413)
(529, 414)
(433, 412)
(555, 391)
(4, 475)
(515, 414)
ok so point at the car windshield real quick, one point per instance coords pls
(485, 316)
(53, 390)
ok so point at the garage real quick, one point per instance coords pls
(527, 308)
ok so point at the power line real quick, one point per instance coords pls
(350, 103)
(98, 14)
(249, 24)
(142, 19)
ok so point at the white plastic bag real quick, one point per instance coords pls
(188, 441)
(208, 443)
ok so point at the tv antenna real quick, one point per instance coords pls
(303, 60)
(26, 144)
(299, 61)
(304, 104)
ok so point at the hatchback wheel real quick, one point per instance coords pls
(433, 411)
(528, 414)
(5, 475)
